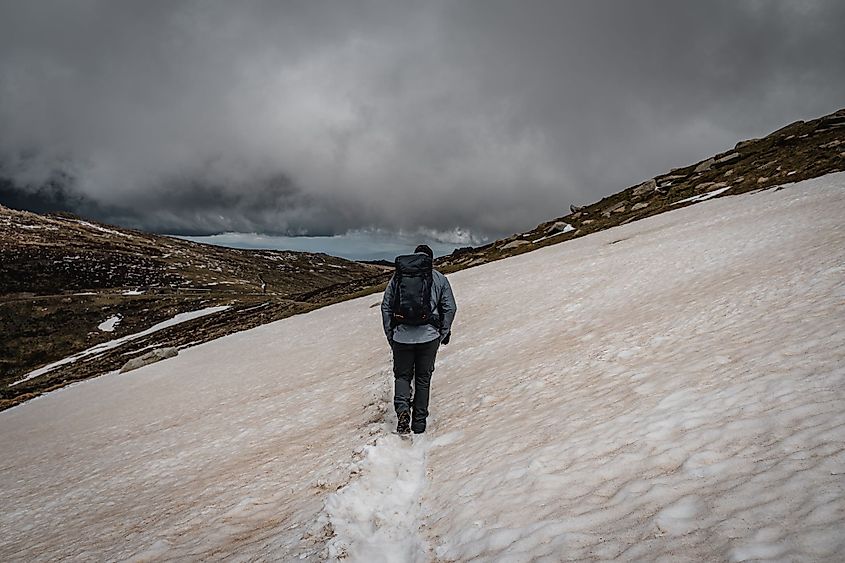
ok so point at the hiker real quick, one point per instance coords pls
(415, 327)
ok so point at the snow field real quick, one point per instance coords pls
(673, 391)
(667, 390)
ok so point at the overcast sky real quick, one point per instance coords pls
(472, 117)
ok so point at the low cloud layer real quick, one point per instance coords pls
(319, 118)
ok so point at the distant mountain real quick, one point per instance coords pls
(62, 277)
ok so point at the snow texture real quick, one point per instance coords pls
(668, 390)
(105, 346)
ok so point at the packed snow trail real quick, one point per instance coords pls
(673, 389)
(377, 517)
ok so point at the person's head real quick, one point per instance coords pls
(425, 249)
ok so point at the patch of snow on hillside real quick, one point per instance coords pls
(102, 229)
(110, 323)
(105, 346)
(702, 197)
(680, 396)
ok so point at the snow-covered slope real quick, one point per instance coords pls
(670, 389)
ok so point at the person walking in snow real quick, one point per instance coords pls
(417, 313)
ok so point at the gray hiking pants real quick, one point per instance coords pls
(413, 362)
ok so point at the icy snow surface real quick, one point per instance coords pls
(100, 348)
(677, 395)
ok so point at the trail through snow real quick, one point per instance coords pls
(668, 390)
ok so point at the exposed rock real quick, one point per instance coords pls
(576, 215)
(558, 226)
(149, 358)
(830, 145)
(729, 158)
(705, 166)
(587, 221)
(729, 172)
(762, 180)
(704, 186)
(638, 206)
(645, 188)
(617, 208)
(829, 122)
(743, 144)
(574, 208)
(515, 244)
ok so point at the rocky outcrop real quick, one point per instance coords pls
(705, 166)
(645, 188)
(734, 156)
(833, 121)
(149, 358)
(558, 227)
(616, 208)
(515, 244)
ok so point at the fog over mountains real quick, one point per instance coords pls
(317, 118)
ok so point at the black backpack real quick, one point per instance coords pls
(412, 291)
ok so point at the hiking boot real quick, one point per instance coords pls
(404, 425)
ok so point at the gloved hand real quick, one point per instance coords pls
(444, 338)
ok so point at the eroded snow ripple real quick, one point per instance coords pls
(667, 390)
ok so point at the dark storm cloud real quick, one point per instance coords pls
(320, 117)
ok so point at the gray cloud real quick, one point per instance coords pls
(322, 117)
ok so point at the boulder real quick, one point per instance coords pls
(762, 180)
(616, 208)
(149, 358)
(515, 244)
(705, 166)
(645, 188)
(743, 144)
(638, 206)
(729, 158)
(557, 227)
(574, 208)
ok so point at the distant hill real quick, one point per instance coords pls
(62, 276)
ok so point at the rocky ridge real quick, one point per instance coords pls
(799, 151)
